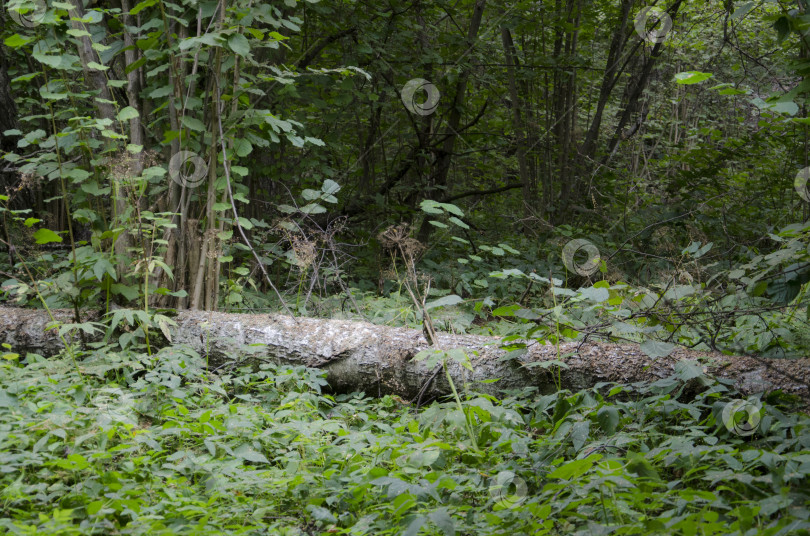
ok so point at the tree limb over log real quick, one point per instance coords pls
(359, 356)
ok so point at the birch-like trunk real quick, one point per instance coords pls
(359, 356)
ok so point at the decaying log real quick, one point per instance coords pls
(359, 356)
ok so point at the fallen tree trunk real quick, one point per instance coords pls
(359, 356)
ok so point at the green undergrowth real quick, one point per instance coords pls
(160, 445)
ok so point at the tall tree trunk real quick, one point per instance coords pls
(8, 121)
(638, 86)
(613, 70)
(529, 189)
(8, 109)
(445, 156)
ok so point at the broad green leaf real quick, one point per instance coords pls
(656, 349)
(50, 61)
(431, 207)
(575, 468)
(442, 519)
(310, 195)
(330, 187)
(579, 434)
(127, 113)
(239, 44)
(193, 123)
(458, 222)
(248, 453)
(608, 419)
(242, 146)
(686, 370)
(594, 294)
(16, 41)
(691, 77)
(131, 293)
(452, 299)
(141, 6)
(46, 236)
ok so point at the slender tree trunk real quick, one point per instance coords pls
(612, 72)
(445, 157)
(529, 190)
(8, 121)
(638, 87)
(8, 109)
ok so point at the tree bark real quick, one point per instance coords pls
(529, 191)
(8, 109)
(445, 154)
(359, 356)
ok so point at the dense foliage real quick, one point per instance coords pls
(539, 170)
(196, 154)
(161, 446)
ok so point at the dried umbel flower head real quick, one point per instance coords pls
(123, 164)
(26, 181)
(398, 238)
(304, 250)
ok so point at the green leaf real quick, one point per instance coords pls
(193, 123)
(330, 187)
(656, 349)
(141, 6)
(452, 299)
(442, 519)
(579, 434)
(597, 295)
(248, 453)
(78, 175)
(638, 464)
(94, 507)
(50, 61)
(575, 468)
(131, 293)
(310, 194)
(452, 209)
(78, 32)
(453, 219)
(783, 107)
(313, 208)
(239, 44)
(782, 27)
(128, 113)
(315, 141)
(608, 419)
(692, 77)
(431, 207)
(742, 10)
(137, 64)
(16, 41)
(686, 370)
(242, 146)
(46, 236)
